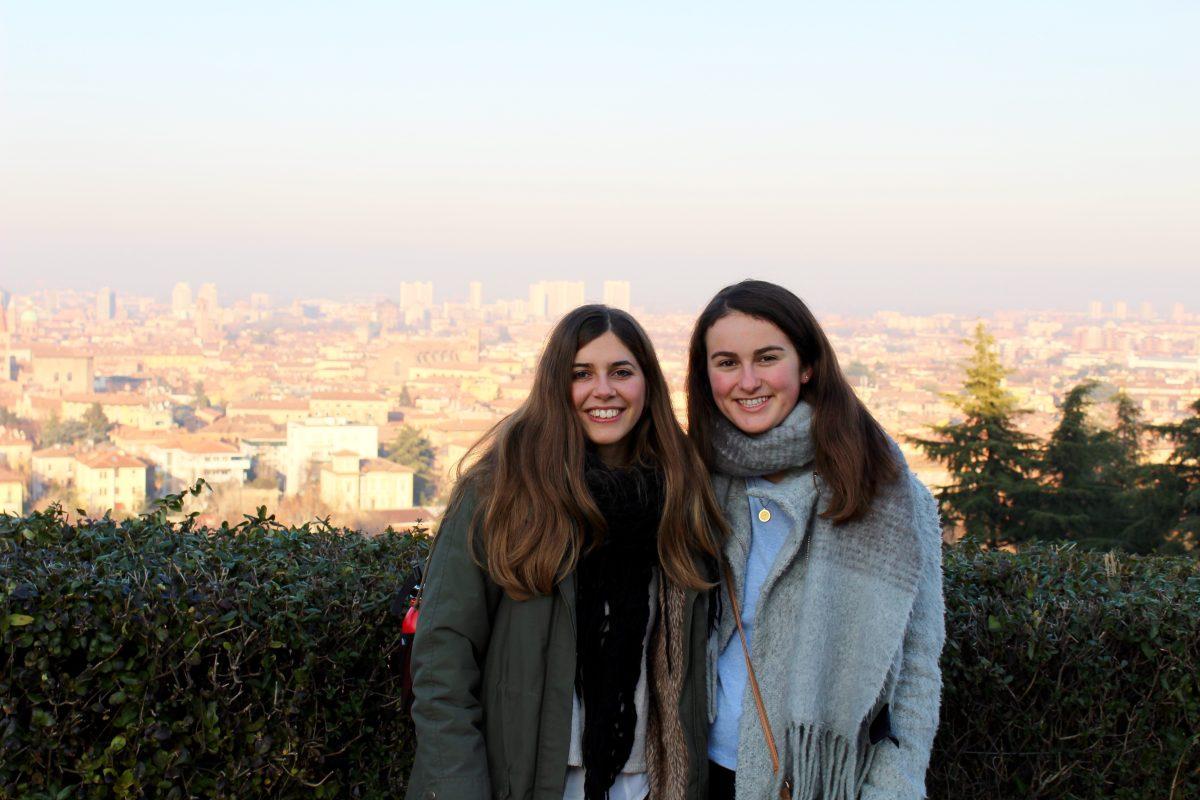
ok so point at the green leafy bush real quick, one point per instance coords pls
(1069, 675)
(152, 659)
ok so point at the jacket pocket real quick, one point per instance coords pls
(881, 727)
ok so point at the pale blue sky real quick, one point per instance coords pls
(918, 155)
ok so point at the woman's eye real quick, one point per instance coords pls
(579, 375)
(725, 363)
(769, 358)
(623, 373)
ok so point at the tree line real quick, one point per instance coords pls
(1089, 483)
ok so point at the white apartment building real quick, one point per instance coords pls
(618, 294)
(180, 463)
(350, 483)
(111, 480)
(552, 299)
(312, 442)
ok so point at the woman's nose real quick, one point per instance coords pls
(748, 379)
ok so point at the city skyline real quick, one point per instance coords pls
(930, 157)
(556, 297)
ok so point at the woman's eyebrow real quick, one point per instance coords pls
(622, 363)
(727, 354)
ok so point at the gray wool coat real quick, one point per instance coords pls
(848, 632)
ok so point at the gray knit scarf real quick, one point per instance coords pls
(789, 444)
(831, 618)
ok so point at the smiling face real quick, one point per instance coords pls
(754, 371)
(608, 391)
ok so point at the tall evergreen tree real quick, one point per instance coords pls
(412, 449)
(989, 458)
(1145, 500)
(96, 424)
(1082, 470)
(1183, 488)
(1130, 428)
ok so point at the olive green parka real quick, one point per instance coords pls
(493, 680)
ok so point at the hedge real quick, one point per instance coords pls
(150, 658)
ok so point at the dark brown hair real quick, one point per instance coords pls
(528, 471)
(854, 456)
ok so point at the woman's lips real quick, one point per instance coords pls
(604, 420)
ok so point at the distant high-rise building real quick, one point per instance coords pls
(181, 301)
(617, 294)
(1095, 309)
(106, 304)
(562, 296)
(1177, 313)
(475, 295)
(1146, 310)
(206, 298)
(260, 301)
(1120, 309)
(416, 295)
(537, 300)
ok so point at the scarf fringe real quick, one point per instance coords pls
(822, 764)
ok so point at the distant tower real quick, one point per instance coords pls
(475, 295)
(181, 301)
(1146, 310)
(617, 294)
(416, 295)
(260, 301)
(1095, 309)
(106, 305)
(1178, 315)
(206, 298)
(537, 300)
(1120, 309)
(562, 296)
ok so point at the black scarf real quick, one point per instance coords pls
(612, 613)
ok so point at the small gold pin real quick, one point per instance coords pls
(764, 516)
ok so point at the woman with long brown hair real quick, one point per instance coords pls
(561, 651)
(825, 669)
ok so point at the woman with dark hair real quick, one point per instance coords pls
(561, 650)
(832, 577)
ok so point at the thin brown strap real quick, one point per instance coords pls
(786, 790)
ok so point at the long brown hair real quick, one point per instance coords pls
(853, 454)
(528, 472)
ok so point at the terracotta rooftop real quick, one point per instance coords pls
(355, 396)
(383, 465)
(50, 351)
(202, 446)
(246, 424)
(54, 452)
(132, 434)
(109, 399)
(107, 459)
(270, 405)
(8, 476)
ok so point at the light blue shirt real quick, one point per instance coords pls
(767, 539)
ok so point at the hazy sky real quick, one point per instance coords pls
(922, 156)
